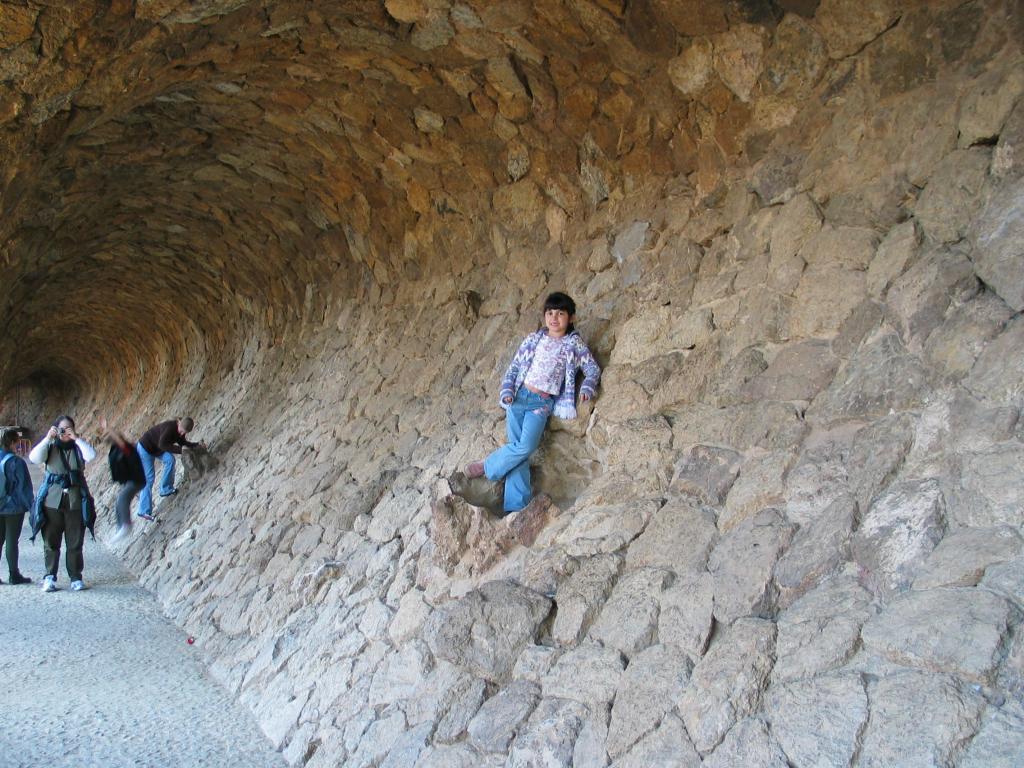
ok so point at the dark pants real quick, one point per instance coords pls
(124, 503)
(64, 523)
(10, 531)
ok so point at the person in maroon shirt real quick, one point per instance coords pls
(162, 442)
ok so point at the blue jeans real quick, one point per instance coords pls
(525, 422)
(166, 479)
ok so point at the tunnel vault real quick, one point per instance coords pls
(177, 174)
(792, 228)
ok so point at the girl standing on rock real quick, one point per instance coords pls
(63, 506)
(540, 381)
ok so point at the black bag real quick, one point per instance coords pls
(125, 465)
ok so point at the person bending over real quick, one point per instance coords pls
(161, 443)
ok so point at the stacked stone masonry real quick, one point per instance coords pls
(788, 532)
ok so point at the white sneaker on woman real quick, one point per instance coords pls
(49, 583)
(77, 585)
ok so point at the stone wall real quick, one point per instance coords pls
(788, 531)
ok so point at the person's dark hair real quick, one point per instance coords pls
(64, 418)
(8, 437)
(563, 301)
(187, 423)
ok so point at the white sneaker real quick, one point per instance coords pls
(49, 583)
(119, 534)
(77, 586)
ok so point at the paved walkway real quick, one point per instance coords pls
(101, 678)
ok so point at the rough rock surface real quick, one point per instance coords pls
(793, 231)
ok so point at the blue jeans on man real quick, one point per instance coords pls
(166, 478)
(526, 419)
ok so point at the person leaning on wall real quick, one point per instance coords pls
(161, 443)
(15, 501)
(64, 508)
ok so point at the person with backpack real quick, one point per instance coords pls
(64, 508)
(126, 469)
(15, 501)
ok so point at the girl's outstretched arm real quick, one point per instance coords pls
(591, 373)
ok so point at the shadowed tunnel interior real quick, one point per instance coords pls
(792, 229)
(179, 176)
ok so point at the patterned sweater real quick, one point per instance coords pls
(577, 356)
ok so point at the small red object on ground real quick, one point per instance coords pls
(190, 640)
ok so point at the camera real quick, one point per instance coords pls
(64, 431)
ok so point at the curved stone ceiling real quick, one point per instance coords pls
(177, 173)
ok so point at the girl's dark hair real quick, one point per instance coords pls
(8, 437)
(64, 418)
(563, 301)
(559, 300)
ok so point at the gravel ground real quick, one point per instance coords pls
(102, 678)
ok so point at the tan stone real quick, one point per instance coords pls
(738, 58)
(846, 27)
(690, 71)
(17, 24)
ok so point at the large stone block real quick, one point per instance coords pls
(918, 720)
(749, 744)
(629, 620)
(821, 630)
(496, 723)
(819, 549)
(648, 690)
(846, 27)
(771, 426)
(796, 58)
(881, 378)
(486, 629)
(706, 472)
(742, 564)
(761, 484)
(738, 58)
(605, 529)
(997, 234)
(797, 222)
(588, 675)
(962, 557)
(1000, 741)
(998, 374)
(987, 105)
(581, 597)
(726, 685)
(678, 537)
(954, 346)
(956, 631)
(798, 372)
(687, 613)
(895, 253)
(825, 297)
(668, 745)
(898, 532)
(918, 299)
(659, 331)
(819, 721)
(549, 735)
(948, 204)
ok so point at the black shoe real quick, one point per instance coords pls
(171, 493)
(17, 578)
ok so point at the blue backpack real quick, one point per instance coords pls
(7, 502)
